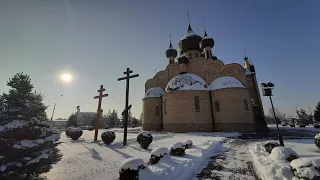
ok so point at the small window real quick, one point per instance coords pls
(197, 104)
(217, 106)
(157, 110)
(165, 106)
(253, 101)
(246, 106)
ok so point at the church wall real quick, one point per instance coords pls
(179, 114)
(232, 116)
(151, 121)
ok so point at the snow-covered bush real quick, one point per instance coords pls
(316, 125)
(75, 133)
(270, 145)
(292, 125)
(305, 168)
(129, 169)
(317, 140)
(144, 139)
(177, 149)
(68, 130)
(157, 154)
(283, 153)
(27, 142)
(108, 137)
(284, 124)
(188, 144)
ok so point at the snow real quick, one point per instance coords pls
(305, 167)
(187, 142)
(317, 136)
(282, 153)
(145, 133)
(160, 151)
(186, 82)
(225, 82)
(154, 92)
(248, 72)
(28, 143)
(44, 155)
(189, 34)
(13, 124)
(84, 159)
(132, 163)
(76, 129)
(177, 145)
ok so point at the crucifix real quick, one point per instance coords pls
(100, 96)
(127, 78)
(188, 14)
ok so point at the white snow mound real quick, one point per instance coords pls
(225, 82)
(186, 82)
(154, 92)
(317, 136)
(145, 133)
(132, 163)
(76, 129)
(177, 145)
(305, 168)
(160, 151)
(282, 153)
(187, 142)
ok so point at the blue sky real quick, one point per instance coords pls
(98, 40)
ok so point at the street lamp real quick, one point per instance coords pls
(267, 91)
(54, 107)
(78, 110)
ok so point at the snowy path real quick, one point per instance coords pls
(234, 164)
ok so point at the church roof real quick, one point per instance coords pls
(225, 82)
(186, 82)
(154, 92)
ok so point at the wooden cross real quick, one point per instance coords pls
(188, 14)
(126, 109)
(100, 96)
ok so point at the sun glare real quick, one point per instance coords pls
(66, 77)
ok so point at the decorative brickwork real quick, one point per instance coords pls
(150, 120)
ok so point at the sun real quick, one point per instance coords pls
(66, 77)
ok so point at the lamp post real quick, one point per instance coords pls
(267, 91)
(54, 107)
(78, 110)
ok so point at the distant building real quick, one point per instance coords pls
(59, 123)
(199, 92)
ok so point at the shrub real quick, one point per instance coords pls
(157, 154)
(270, 145)
(68, 130)
(177, 149)
(75, 133)
(129, 169)
(284, 153)
(144, 139)
(317, 140)
(188, 144)
(316, 125)
(108, 137)
(292, 125)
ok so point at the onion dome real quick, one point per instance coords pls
(225, 82)
(206, 41)
(171, 52)
(184, 82)
(183, 58)
(154, 92)
(190, 41)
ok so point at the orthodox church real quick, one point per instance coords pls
(197, 92)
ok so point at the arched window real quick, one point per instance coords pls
(217, 106)
(157, 110)
(197, 103)
(246, 106)
(165, 106)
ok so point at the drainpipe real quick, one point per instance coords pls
(161, 113)
(211, 107)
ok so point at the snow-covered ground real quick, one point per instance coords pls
(84, 159)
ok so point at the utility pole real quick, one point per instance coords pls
(127, 107)
(100, 96)
(78, 110)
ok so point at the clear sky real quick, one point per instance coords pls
(97, 40)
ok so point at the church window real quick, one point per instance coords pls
(246, 106)
(165, 106)
(157, 110)
(217, 106)
(197, 104)
(253, 101)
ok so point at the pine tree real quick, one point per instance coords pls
(72, 121)
(303, 116)
(316, 114)
(27, 143)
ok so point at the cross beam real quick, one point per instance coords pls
(126, 109)
(100, 96)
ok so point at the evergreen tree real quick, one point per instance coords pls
(303, 116)
(72, 121)
(316, 114)
(27, 143)
(113, 120)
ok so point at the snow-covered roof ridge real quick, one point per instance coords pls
(186, 82)
(226, 82)
(154, 92)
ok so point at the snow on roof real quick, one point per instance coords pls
(177, 145)
(132, 163)
(154, 92)
(160, 151)
(186, 82)
(248, 72)
(189, 34)
(225, 82)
